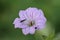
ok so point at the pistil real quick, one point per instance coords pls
(31, 23)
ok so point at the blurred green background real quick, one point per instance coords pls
(9, 10)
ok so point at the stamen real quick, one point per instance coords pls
(35, 27)
(31, 23)
(22, 20)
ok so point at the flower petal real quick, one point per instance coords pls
(40, 27)
(40, 22)
(41, 12)
(25, 31)
(29, 13)
(20, 25)
(17, 20)
(17, 23)
(22, 15)
(34, 13)
(32, 30)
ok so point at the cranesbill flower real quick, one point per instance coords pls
(30, 20)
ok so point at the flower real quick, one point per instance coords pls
(30, 20)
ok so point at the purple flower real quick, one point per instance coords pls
(30, 20)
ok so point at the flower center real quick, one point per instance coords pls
(31, 23)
